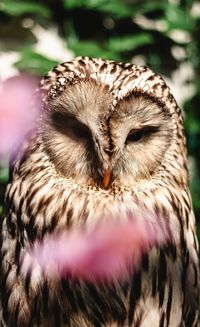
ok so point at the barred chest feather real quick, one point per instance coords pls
(163, 292)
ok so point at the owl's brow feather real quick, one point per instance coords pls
(143, 101)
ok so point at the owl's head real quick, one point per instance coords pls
(108, 124)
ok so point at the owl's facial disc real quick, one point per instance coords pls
(141, 131)
(76, 133)
(96, 144)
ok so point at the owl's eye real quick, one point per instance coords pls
(70, 126)
(137, 135)
(82, 131)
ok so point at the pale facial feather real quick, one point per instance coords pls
(85, 134)
(139, 159)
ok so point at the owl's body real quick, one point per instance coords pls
(110, 141)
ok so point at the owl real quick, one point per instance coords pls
(110, 139)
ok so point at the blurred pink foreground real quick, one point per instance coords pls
(107, 252)
(18, 112)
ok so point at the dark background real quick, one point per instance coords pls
(164, 35)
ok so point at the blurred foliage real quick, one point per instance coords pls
(164, 34)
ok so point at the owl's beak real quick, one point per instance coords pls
(106, 178)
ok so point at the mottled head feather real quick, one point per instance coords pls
(122, 78)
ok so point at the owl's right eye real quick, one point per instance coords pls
(82, 131)
(71, 126)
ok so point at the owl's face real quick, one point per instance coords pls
(96, 140)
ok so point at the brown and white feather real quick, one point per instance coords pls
(90, 107)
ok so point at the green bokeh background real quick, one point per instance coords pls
(163, 34)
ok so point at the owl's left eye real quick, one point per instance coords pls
(137, 135)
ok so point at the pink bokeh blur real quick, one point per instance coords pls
(19, 110)
(105, 253)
